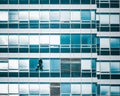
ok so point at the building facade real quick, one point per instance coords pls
(59, 47)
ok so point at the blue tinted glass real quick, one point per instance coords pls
(75, 39)
(86, 39)
(75, 1)
(65, 88)
(64, 1)
(33, 64)
(65, 39)
(44, 1)
(54, 1)
(34, 1)
(115, 43)
(13, 1)
(85, 1)
(3, 1)
(85, 15)
(23, 1)
(54, 65)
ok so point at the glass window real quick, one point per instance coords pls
(86, 64)
(86, 39)
(13, 88)
(65, 88)
(24, 88)
(24, 64)
(65, 39)
(104, 43)
(75, 16)
(23, 15)
(115, 66)
(34, 40)
(75, 39)
(44, 89)
(44, 39)
(114, 19)
(85, 15)
(3, 65)
(75, 88)
(46, 64)
(13, 64)
(93, 15)
(54, 39)
(3, 16)
(65, 16)
(104, 19)
(54, 16)
(13, 16)
(44, 15)
(3, 88)
(13, 40)
(3, 40)
(115, 90)
(114, 43)
(55, 65)
(104, 90)
(86, 89)
(105, 67)
(34, 15)
(34, 89)
(23, 40)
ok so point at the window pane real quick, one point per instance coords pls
(44, 15)
(86, 89)
(3, 88)
(34, 15)
(93, 15)
(105, 66)
(65, 16)
(46, 64)
(24, 64)
(34, 89)
(55, 65)
(24, 88)
(34, 40)
(23, 15)
(13, 40)
(86, 64)
(23, 40)
(44, 89)
(86, 39)
(104, 90)
(75, 88)
(104, 43)
(44, 39)
(54, 16)
(3, 16)
(65, 39)
(85, 15)
(13, 88)
(75, 16)
(115, 90)
(55, 39)
(3, 40)
(3, 65)
(115, 66)
(13, 64)
(114, 19)
(13, 16)
(104, 19)
(75, 39)
(65, 88)
(114, 43)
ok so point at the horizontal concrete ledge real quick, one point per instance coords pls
(48, 31)
(113, 81)
(108, 10)
(108, 57)
(48, 55)
(108, 34)
(48, 79)
(48, 6)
